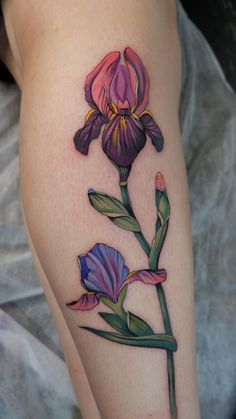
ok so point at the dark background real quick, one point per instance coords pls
(217, 20)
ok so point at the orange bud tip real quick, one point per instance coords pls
(159, 182)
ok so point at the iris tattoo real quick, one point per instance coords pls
(118, 94)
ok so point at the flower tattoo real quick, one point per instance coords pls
(118, 94)
(103, 272)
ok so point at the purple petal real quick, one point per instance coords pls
(123, 138)
(107, 271)
(97, 83)
(89, 132)
(152, 130)
(87, 301)
(139, 79)
(121, 93)
(83, 266)
(147, 276)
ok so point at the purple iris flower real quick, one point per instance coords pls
(118, 95)
(103, 272)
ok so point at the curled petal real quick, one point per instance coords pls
(139, 79)
(123, 138)
(147, 276)
(87, 301)
(98, 82)
(89, 132)
(152, 130)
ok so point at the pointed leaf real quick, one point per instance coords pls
(157, 244)
(160, 341)
(138, 326)
(127, 223)
(122, 295)
(163, 207)
(162, 204)
(116, 323)
(107, 205)
(114, 210)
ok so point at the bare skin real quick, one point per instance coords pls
(50, 50)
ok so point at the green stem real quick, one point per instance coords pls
(121, 312)
(162, 301)
(170, 357)
(127, 202)
(117, 308)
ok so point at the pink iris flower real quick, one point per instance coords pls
(118, 94)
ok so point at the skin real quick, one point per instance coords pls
(50, 50)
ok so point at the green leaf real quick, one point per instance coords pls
(122, 295)
(127, 223)
(114, 210)
(163, 208)
(106, 204)
(117, 323)
(163, 214)
(162, 204)
(160, 341)
(118, 305)
(157, 244)
(138, 326)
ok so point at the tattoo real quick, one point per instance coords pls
(118, 95)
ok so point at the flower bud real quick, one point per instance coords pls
(159, 182)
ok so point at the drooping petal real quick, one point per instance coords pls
(97, 83)
(89, 132)
(106, 271)
(139, 79)
(87, 301)
(123, 138)
(147, 276)
(121, 93)
(152, 130)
